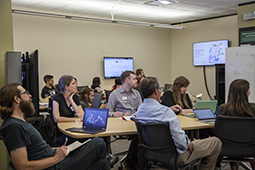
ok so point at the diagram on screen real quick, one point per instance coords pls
(215, 53)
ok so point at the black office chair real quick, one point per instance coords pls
(156, 144)
(237, 137)
(11, 166)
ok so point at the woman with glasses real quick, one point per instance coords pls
(177, 95)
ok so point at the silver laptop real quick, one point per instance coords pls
(205, 115)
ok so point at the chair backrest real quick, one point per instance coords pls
(168, 86)
(96, 101)
(156, 143)
(237, 135)
(11, 166)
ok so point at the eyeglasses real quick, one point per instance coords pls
(25, 92)
(160, 89)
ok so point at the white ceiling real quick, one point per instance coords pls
(134, 10)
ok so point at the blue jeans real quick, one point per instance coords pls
(90, 156)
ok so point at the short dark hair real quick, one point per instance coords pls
(138, 71)
(7, 94)
(47, 78)
(148, 86)
(125, 75)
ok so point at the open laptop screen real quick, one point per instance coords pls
(204, 113)
(96, 118)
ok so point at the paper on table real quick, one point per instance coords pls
(199, 95)
(127, 118)
(75, 145)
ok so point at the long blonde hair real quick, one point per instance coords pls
(178, 97)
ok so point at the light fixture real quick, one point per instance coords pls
(97, 19)
(158, 2)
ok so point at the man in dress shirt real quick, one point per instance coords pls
(125, 100)
(152, 111)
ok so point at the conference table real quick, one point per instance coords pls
(122, 127)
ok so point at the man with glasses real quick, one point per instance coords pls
(26, 146)
(152, 111)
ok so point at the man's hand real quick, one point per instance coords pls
(190, 148)
(61, 153)
(103, 106)
(117, 114)
(127, 114)
(176, 108)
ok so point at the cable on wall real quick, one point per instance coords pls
(206, 84)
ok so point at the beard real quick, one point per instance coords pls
(27, 107)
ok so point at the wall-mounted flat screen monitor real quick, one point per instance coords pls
(209, 53)
(115, 66)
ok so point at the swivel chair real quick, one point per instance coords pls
(237, 137)
(11, 166)
(156, 144)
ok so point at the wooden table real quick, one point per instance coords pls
(192, 126)
(114, 127)
(122, 127)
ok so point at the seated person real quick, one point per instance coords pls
(176, 95)
(139, 81)
(48, 90)
(140, 72)
(96, 82)
(152, 111)
(117, 84)
(86, 98)
(238, 104)
(66, 103)
(26, 146)
(125, 100)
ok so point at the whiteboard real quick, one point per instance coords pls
(240, 63)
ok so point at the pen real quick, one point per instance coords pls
(66, 141)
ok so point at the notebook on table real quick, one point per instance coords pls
(201, 104)
(94, 121)
(204, 115)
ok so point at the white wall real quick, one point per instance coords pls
(78, 47)
(181, 50)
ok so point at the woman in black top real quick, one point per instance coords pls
(177, 95)
(66, 103)
(238, 105)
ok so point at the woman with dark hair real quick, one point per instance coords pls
(96, 82)
(66, 103)
(238, 102)
(238, 105)
(117, 84)
(177, 95)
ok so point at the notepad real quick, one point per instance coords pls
(75, 145)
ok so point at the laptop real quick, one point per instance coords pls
(94, 121)
(96, 101)
(205, 115)
(201, 104)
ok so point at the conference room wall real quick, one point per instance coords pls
(181, 50)
(78, 47)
